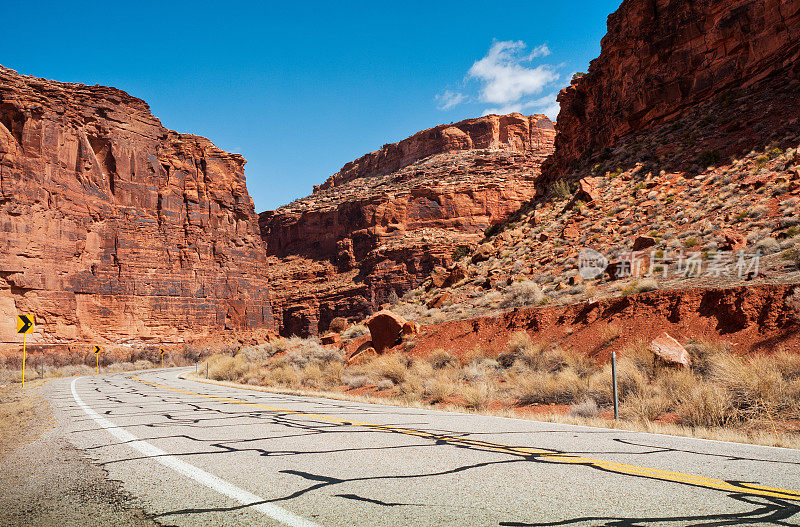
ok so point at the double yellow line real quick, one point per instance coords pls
(548, 456)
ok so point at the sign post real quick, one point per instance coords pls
(162, 357)
(97, 350)
(24, 326)
(614, 384)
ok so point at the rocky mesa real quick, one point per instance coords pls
(117, 229)
(384, 222)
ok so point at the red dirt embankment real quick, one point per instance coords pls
(750, 318)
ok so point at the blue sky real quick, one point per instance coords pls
(300, 88)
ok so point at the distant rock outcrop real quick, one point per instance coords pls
(512, 133)
(117, 229)
(381, 224)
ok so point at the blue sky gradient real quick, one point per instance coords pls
(301, 88)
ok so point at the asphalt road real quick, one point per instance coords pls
(198, 454)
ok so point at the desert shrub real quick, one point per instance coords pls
(332, 374)
(518, 341)
(522, 352)
(640, 286)
(542, 358)
(560, 189)
(792, 255)
(787, 363)
(476, 395)
(479, 369)
(674, 386)
(460, 252)
(355, 381)
(262, 352)
(645, 406)
(411, 389)
(227, 368)
(439, 389)
(564, 387)
(385, 384)
(311, 376)
(587, 409)
(705, 355)
(707, 406)
(523, 293)
(768, 246)
(283, 374)
(355, 331)
(393, 367)
(631, 380)
(192, 353)
(440, 358)
(313, 352)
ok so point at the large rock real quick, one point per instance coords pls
(643, 242)
(483, 252)
(378, 227)
(732, 240)
(385, 329)
(588, 189)
(118, 229)
(670, 351)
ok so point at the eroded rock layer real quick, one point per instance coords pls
(117, 229)
(662, 57)
(384, 222)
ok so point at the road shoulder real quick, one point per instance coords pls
(47, 481)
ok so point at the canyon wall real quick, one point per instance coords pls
(381, 224)
(512, 133)
(115, 229)
(661, 58)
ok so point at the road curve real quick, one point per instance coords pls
(199, 454)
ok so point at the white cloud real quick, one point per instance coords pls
(449, 99)
(540, 51)
(506, 74)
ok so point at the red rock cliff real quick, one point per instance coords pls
(662, 57)
(117, 229)
(374, 229)
(512, 133)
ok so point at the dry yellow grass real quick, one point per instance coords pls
(756, 437)
(21, 415)
(724, 391)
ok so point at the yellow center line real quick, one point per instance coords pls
(550, 456)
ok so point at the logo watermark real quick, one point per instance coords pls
(592, 264)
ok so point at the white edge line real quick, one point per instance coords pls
(192, 472)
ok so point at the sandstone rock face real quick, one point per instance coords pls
(373, 230)
(513, 133)
(661, 57)
(117, 229)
